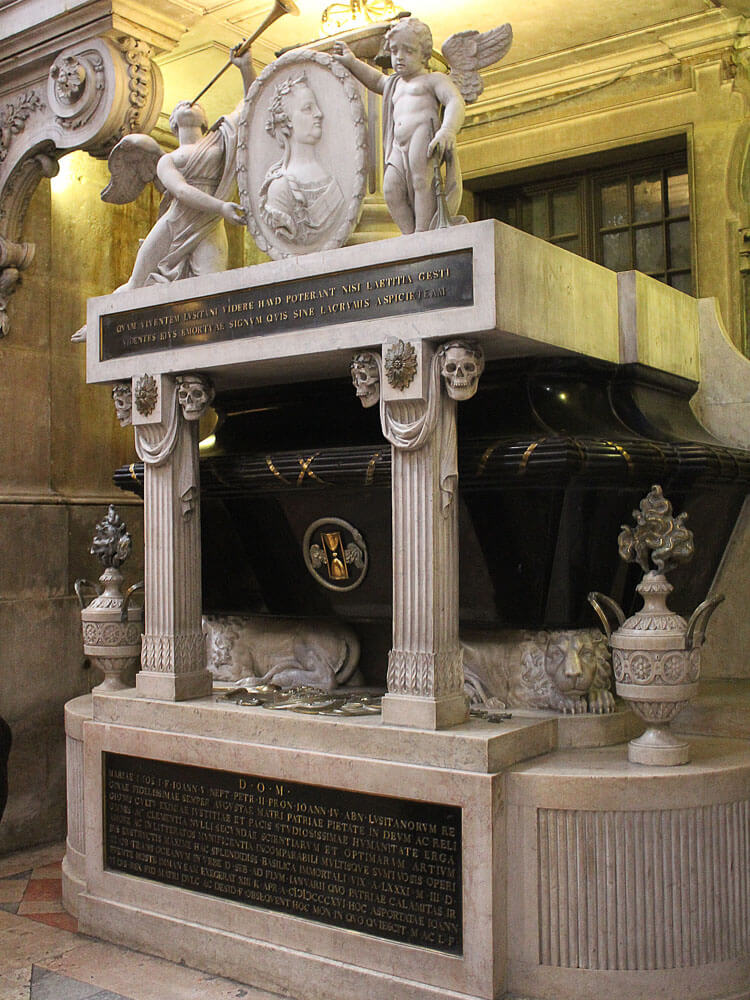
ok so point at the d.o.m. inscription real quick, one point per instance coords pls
(375, 864)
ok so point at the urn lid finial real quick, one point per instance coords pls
(111, 542)
(658, 536)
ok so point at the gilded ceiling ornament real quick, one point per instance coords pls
(401, 364)
(146, 394)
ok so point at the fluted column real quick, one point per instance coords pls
(418, 417)
(425, 669)
(172, 657)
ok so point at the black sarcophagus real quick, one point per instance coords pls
(553, 456)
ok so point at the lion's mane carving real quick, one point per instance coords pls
(284, 651)
(566, 670)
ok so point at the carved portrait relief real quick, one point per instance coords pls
(302, 155)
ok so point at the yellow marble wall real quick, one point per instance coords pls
(59, 446)
(526, 120)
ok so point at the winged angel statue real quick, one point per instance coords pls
(195, 179)
(414, 131)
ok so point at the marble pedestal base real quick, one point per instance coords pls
(581, 874)
(424, 713)
(660, 748)
(172, 686)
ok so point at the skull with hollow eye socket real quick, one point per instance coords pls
(461, 364)
(194, 394)
(122, 397)
(366, 378)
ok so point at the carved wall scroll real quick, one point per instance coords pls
(97, 91)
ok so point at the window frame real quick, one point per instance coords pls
(589, 180)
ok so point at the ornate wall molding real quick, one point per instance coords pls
(95, 92)
(556, 77)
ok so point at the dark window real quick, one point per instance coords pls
(624, 217)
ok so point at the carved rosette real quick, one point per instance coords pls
(146, 395)
(645, 667)
(74, 87)
(400, 364)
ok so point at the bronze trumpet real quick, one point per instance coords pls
(280, 7)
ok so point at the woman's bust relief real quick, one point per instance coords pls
(298, 196)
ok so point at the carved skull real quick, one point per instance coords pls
(461, 364)
(194, 394)
(122, 397)
(366, 378)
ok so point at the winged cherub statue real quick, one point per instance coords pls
(195, 179)
(413, 98)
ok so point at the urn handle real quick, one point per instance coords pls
(126, 600)
(698, 623)
(596, 600)
(79, 587)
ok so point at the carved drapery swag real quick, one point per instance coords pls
(174, 438)
(413, 435)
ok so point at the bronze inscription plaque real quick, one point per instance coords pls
(436, 282)
(379, 865)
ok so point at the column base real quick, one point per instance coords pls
(425, 713)
(174, 687)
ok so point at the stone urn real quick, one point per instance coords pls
(655, 652)
(111, 626)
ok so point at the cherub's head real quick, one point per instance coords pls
(410, 31)
(186, 113)
(294, 111)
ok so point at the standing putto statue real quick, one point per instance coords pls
(422, 115)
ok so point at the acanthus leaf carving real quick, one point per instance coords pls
(14, 117)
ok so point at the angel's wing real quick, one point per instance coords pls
(467, 52)
(132, 165)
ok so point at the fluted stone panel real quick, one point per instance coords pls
(426, 658)
(657, 889)
(74, 765)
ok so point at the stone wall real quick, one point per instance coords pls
(59, 447)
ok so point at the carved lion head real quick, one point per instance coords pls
(576, 660)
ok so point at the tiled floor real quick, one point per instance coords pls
(43, 957)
